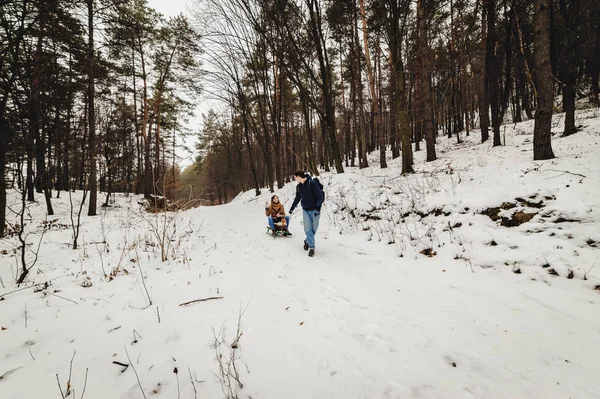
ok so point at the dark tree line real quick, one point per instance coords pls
(320, 84)
(92, 92)
(91, 95)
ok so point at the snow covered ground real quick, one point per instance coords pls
(413, 292)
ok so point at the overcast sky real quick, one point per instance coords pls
(169, 7)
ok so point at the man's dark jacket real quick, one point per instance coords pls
(311, 195)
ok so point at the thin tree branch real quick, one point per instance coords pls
(200, 300)
(136, 374)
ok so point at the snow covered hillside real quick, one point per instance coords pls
(472, 278)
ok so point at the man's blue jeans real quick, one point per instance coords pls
(310, 219)
(272, 222)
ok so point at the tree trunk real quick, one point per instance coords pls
(91, 110)
(145, 129)
(158, 172)
(508, 62)
(381, 124)
(268, 146)
(393, 103)
(29, 183)
(4, 126)
(570, 19)
(139, 168)
(249, 149)
(527, 102)
(353, 100)
(465, 100)
(455, 78)
(148, 186)
(12, 49)
(345, 117)
(326, 81)
(372, 89)
(404, 121)
(524, 63)
(35, 141)
(542, 146)
(363, 127)
(569, 106)
(423, 78)
(357, 100)
(596, 87)
(277, 123)
(396, 74)
(519, 94)
(493, 71)
(399, 90)
(484, 98)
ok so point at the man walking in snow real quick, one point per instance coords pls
(311, 195)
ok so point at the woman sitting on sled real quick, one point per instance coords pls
(278, 220)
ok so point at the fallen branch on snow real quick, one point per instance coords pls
(17, 290)
(61, 297)
(39, 287)
(9, 372)
(122, 365)
(200, 300)
(563, 172)
(213, 247)
(566, 172)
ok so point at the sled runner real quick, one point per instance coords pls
(279, 230)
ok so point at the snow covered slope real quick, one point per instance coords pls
(414, 292)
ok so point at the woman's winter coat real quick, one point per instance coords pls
(274, 209)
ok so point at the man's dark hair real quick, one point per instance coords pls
(300, 173)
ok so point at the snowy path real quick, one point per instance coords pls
(374, 326)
